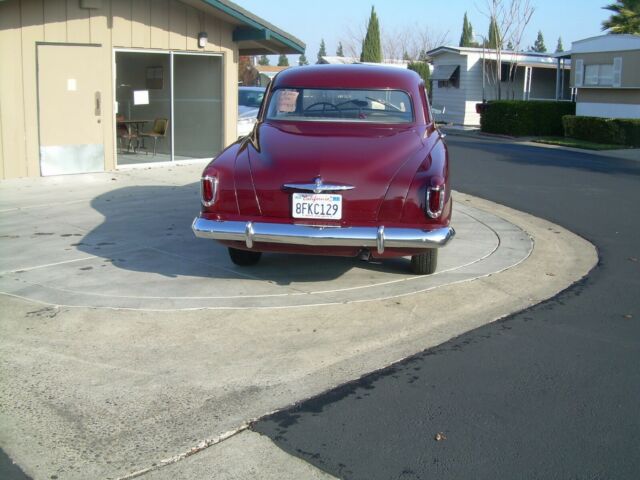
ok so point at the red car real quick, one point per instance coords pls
(344, 160)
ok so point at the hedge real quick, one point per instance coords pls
(615, 131)
(525, 117)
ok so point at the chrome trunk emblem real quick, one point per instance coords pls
(318, 186)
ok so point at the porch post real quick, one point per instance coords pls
(562, 79)
(558, 80)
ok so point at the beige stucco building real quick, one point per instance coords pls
(606, 75)
(92, 85)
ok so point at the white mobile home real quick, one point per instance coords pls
(463, 77)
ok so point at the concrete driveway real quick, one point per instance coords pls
(128, 345)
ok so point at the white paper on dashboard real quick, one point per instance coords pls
(141, 97)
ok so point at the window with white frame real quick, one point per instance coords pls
(598, 75)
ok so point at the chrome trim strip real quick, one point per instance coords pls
(284, 233)
(317, 186)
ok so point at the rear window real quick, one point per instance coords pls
(329, 105)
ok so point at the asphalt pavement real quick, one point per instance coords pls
(129, 348)
(550, 392)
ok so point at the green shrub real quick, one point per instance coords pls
(615, 131)
(525, 117)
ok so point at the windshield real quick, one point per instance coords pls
(362, 106)
(250, 98)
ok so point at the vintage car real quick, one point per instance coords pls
(344, 160)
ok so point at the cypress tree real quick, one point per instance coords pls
(283, 61)
(371, 46)
(466, 39)
(493, 39)
(422, 69)
(340, 51)
(322, 52)
(559, 47)
(263, 60)
(538, 45)
(302, 61)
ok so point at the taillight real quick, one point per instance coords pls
(208, 190)
(435, 201)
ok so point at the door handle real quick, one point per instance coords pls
(98, 104)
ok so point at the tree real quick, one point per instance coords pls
(263, 60)
(283, 61)
(247, 74)
(422, 69)
(625, 18)
(466, 39)
(538, 45)
(493, 38)
(371, 46)
(322, 52)
(302, 61)
(340, 50)
(413, 38)
(508, 21)
(510, 46)
(559, 47)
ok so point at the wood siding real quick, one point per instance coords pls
(136, 24)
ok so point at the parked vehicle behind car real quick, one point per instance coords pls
(344, 160)
(249, 100)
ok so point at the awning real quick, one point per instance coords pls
(444, 72)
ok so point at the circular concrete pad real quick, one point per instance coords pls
(120, 267)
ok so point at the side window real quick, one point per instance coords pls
(428, 116)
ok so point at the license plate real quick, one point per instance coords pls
(319, 206)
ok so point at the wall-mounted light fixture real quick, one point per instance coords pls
(202, 39)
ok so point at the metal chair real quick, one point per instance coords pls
(158, 132)
(126, 137)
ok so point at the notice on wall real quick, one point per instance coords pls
(287, 101)
(141, 97)
(72, 85)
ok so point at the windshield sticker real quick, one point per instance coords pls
(287, 101)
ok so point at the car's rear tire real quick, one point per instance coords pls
(425, 263)
(244, 258)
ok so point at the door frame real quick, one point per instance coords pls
(172, 54)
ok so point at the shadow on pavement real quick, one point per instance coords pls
(148, 229)
(543, 156)
(9, 470)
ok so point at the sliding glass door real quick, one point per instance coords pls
(169, 106)
(197, 100)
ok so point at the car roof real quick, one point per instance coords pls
(348, 76)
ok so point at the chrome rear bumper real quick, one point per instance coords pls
(285, 233)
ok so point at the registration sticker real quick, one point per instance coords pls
(319, 206)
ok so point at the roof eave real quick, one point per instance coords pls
(268, 39)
